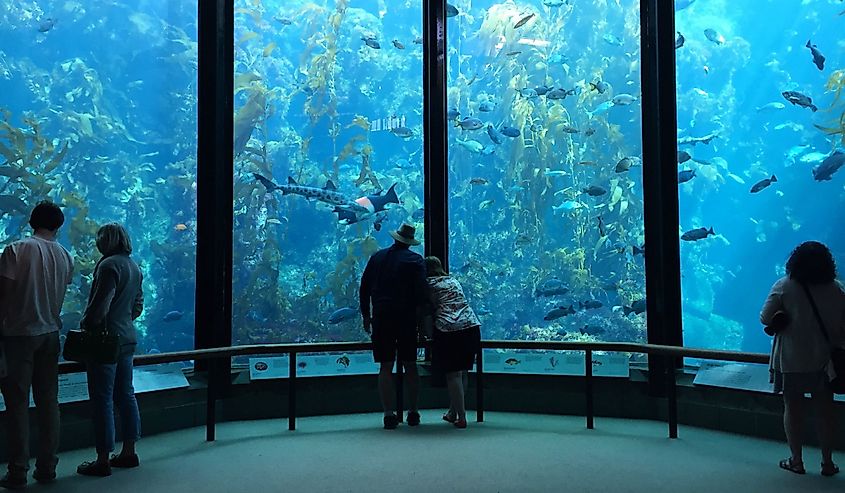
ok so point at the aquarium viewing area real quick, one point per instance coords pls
(617, 184)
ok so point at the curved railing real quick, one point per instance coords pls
(670, 353)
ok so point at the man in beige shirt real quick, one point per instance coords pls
(34, 275)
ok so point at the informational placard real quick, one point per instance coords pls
(313, 366)
(744, 376)
(555, 363)
(73, 387)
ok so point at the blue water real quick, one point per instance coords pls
(519, 217)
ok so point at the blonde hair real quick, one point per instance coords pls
(112, 239)
(434, 267)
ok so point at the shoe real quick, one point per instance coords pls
(829, 469)
(413, 418)
(449, 418)
(124, 461)
(13, 481)
(789, 465)
(391, 422)
(94, 468)
(43, 476)
(460, 423)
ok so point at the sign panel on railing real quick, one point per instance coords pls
(319, 365)
(554, 363)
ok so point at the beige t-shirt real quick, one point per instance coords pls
(41, 270)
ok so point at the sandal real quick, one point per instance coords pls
(792, 466)
(829, 469)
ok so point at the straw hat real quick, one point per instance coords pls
(405, 234)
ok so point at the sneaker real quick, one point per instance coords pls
(94, 468)
(413, 418)
(391, 422)
(44, 476)
(461, 423)
(13, 481)
(124, 461)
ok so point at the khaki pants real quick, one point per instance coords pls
(32, 362)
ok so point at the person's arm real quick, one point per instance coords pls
(364, 294)
(102, 292)
(138, 305)
(8, 262)
(773, 304)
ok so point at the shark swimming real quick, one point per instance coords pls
(348, 211)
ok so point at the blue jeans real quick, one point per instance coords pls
(110, 386)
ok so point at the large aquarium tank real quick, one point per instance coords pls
(760, 118)
(98, 114)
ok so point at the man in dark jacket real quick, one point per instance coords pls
(394, 282)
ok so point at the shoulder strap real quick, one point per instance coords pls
(816, 311)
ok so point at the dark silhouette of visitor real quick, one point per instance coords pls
(456, 335)
(800, 358)
(34, 275)
(394, 283)
(115, 301)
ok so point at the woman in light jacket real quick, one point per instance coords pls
(801, 355)
(115, 301)
(456, 337)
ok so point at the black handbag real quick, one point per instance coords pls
(91, 346)
(837, 354)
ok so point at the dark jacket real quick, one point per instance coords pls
(116, 298)
(394, 280)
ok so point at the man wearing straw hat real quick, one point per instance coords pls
(394, 282)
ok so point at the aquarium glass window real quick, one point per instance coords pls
(98, 114)
(545, 169)
(328, 159)
(760, 122)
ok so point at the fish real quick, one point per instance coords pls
(524, 21)
(398, 45)
(636, 307)
(682, 4)
(569, 205)
(173, 316)
(510, 132)
(453, 114)
(680, 40)
(486, 106)
(46, 25)
(10, 204)
(559, 312)
(418, 40)
(528, 93)
(592, 330)
(542, 90)
(555, 3)
(379, 220)
(697, 140)
(513, 53)
(180, 227)
(471, 145)
(812, 157)
(469, 123)
(418, 215)
(600, 109)
(367, 206)
(624, 164)
(829, 166)
(697, 234)
(683, 156)
(685, 175)
(623, 99)
(283, 21)
(590, 304)
(554, 172)
(343, 361)
(512, 361)
(451, 11)
(485, 204)
(799, 99)
(551, 287)
(594, 191)
(818, 58)
(559, 93)
(599, 86)
(494, 134)
(774, 106)
(479, 181)
(403, 132)
(796, 151)
(612, 39)
(342, 314)
(328, 194)
(714, 36)
(762, 184)
(371, 42)
(569, 129)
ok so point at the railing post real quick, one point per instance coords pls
(672, 396)
(292, 392)
(479, 385)
(400, 387)
(211, 402)
(588, 383)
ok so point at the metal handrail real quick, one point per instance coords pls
(589, 348)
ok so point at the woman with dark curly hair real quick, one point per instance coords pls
(800, 359)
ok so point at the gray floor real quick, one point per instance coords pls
(509, 452)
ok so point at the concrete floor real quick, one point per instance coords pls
(509, 452)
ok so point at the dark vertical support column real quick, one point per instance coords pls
(672, 397)
(435, 132)
(588, 384)
(292, 392)
(479, 386)
(213, 322)
(660, 182)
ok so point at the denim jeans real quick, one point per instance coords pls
(110, 386)
(32, 362)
